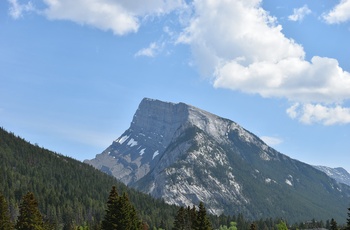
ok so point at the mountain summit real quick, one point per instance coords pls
(184, 155)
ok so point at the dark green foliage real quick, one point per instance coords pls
(334, 225)
(110, 220)
(69, 193)
(5, 221)
(347, 227)
(254, 227)
(191, 219)
(29, 217)
(180, 219)
(202, 219)
(120, 213)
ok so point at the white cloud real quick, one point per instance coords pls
(16, 9)
(299, 13)
(271, 141)
(340, 13)
(150, 51)
(318, 113)
(243, 47)
(121, 17)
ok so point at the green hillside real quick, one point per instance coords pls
(68, 191)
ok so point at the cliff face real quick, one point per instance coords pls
(134, 154)
(184, 155)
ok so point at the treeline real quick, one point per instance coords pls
(120, 214)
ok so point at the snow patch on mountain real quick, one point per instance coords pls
(122, 139)
(142, 151)
(156, 153)
(132, 142)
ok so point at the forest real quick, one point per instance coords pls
(41, 189)
(120, 214)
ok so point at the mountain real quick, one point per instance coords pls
(184, 155)
(68, 191)
(339, 174)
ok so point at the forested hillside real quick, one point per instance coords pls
(69, 192)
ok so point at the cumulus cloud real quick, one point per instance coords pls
(318, 113)
(299, 13)
(120, 17)
(340, 13)
(243, 47)
(16, 9)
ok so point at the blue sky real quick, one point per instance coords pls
(72, 73)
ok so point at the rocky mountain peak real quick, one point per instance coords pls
(158, 119)
(184, 155)
(166, 117)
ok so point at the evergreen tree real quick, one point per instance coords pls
(110, 220)
(192, 218)
(5, 221)
(127, 215)
(347, 227)
(180, 219)
(253, 226)
(328, 224)
(334, 225)
(203, 222)
(120, 213)
(29, 217)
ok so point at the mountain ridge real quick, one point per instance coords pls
(339, 174)
(184, 155)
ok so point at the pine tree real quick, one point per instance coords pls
(127, 215)
(120, 213)
(29, 217)
(334, 225)
(111, 219)
(180, 219)
(347, 227)
(192, 218)
(203, 222)
(5, 220)
(253, 226)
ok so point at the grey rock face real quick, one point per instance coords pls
(184, 155)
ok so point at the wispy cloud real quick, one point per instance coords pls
(151, 51)
(271, 141)
(120, 17)
(299, 13)
(339, 14)
(252, 55)
(16, 9)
